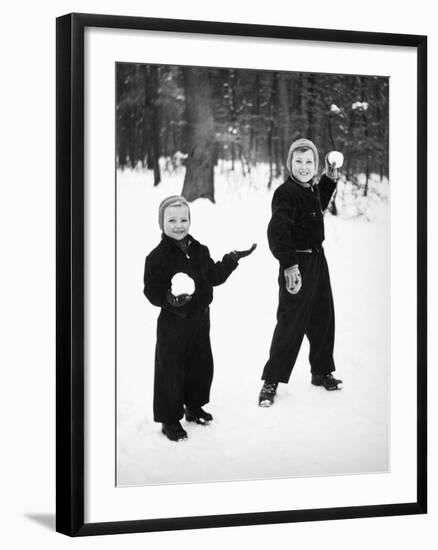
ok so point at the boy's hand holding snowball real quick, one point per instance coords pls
(181, 291)
(333, 161)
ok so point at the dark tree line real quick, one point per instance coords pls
(245, 117)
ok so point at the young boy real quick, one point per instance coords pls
(295, 235)
(183, 358)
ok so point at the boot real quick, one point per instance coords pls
(327, 380)
(198, 415)
(174, 431)
(267, 394)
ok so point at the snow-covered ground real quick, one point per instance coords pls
(309, 431)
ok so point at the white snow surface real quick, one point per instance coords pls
(309, 431)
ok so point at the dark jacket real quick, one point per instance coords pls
(297, 221)
(167, 259)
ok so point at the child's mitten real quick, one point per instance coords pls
(237, 254)
(333, 161)
(292, 276)
(178, 301)
(182, 284)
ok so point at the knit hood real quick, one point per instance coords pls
(302, 143)
(174, 200)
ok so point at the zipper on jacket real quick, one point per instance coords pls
(187, 251)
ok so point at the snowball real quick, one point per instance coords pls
(182, 284)
(336, 158)
(334, 108)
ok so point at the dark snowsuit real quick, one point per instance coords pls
(295, 234)
(183, 358)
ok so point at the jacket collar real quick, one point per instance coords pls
(171, 244)
(311, 184)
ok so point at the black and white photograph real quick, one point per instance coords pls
(252, 274)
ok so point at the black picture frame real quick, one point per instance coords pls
(70, 273)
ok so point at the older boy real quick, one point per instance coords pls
(296, 234)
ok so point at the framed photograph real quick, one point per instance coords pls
(203, 381)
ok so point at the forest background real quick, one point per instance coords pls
(200, 116)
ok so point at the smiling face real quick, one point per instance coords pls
(176, 221)
(303, 165)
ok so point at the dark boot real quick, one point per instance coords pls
(327, 380)
(267, 394)
(174, 431)
(198, 415)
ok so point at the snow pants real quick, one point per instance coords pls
(183, 365)
(310, 312)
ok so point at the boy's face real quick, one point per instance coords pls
(176, 222)
(303, 165)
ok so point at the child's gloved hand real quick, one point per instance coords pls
(178, 301)
(333, 161)
(237, 254)
(292, 277)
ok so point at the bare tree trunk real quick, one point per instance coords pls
(131, 139)
(255, 114)
(329, 118)
(232, 117)
(350, 140)
(271, 129)
(366, 135)
(243, 161)
(283, 118)
(270, 148)
(303, 99)
(152, 127)
(199, 178)
(311, 108)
